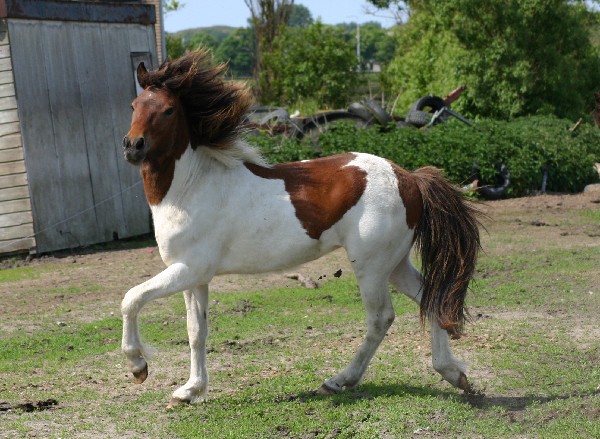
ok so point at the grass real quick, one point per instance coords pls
(533, 347)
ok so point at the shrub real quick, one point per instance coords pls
(528, 146)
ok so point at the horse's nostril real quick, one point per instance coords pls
(139, 143)
(126, 142)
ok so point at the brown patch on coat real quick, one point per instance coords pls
(321, 190)
(410, 194)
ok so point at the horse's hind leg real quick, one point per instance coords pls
(196, 303)
(380, 315)
(407, 279)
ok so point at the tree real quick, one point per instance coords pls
(398, 9)
(172, 5)
(503, 51)
(268, 19)
(313, 63)
(238, 50)
(202, 39)
(300, 16)
(175, 47)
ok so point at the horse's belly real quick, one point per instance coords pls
(275, 253)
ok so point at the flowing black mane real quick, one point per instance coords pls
(214, 106)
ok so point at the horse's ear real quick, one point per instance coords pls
(141, 72)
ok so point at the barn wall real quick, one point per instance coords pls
(16, 221)
(75, 85)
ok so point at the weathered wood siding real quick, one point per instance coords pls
(16, 221)
(74, 84)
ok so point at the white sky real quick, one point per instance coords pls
(203, 13)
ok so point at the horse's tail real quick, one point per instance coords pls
(447, 238)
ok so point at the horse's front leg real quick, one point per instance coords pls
(176, 277)
(196, 303)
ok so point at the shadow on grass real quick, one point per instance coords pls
(479, 401)
(366, 392)
(519, 403)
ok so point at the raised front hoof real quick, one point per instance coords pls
(141, 375)
(326, 390)
(176, 402)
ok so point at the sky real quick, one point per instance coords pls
(203, 13)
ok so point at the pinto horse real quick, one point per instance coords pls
(219, 208)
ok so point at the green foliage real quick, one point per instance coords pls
(238, 49)
(175, 47)
(300, 16)
(529, 146)
(376, 44)
(311, 63)
(505, 54)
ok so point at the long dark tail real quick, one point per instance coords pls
(447, 238)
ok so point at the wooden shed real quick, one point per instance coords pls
(66, 84)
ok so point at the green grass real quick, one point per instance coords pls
(269, 349)
(23, 273)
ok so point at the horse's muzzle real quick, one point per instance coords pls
(134, 149)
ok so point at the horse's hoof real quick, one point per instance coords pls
(463, 383)
(174, 402)
(141, 375)
(326, 390)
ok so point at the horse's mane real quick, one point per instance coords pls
(214, 106)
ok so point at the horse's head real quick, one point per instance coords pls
(185, 102)
(158, 124)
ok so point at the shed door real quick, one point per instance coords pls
(74, 88)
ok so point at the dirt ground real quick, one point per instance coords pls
(104, 275)
(85, 285)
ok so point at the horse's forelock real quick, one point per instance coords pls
(215, 106)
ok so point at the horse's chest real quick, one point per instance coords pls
(173, 232)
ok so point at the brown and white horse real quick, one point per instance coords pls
(219, 208)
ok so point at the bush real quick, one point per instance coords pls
(529, 146)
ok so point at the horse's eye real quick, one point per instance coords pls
(132, 109)
(169, 111)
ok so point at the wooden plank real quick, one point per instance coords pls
(8, 103)
(7, 181)
(15, 232)
(11, 155)
(6, 77)
(120, 92)
(5, 51)
(15, 219)
(10, 141)
(9, 168)
(8, 116)
(7, 90)
(39, 143)
(13, 206)
(98, 125)
(14, 193)
(17, 245)
(9, 128)
(5, 64)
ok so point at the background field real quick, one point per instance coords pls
(533, 346)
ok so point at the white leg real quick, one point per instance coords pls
(408, 280)
(176, 277)
(380, 315)
(196, 303)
